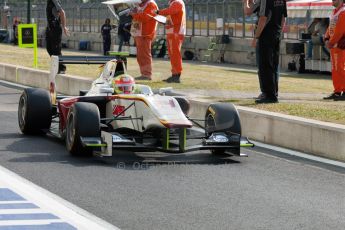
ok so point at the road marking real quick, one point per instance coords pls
(20, 211)
(14, 84)
(18, 206)
(300, 154)
(25, 206)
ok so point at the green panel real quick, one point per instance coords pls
(166, 139)
(182, 139)
(27, 35)
(27, 38)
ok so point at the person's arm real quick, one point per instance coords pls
(63, 21)
(248, 7)
(174, 8)
(339, 31)
(263, 14)
(283, 23)
(62, 16)
(284, 16)
(261, 25)
(144, 16)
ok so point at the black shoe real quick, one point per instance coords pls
(175, 78)
(340, 98)
(265, 100)
(143, 78)
(261, 95)
(332, 96)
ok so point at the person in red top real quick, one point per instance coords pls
(143, 30)
(175, 30)
(334, 37)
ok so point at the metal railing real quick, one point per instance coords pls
(204, 17)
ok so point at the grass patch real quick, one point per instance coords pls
(322, 111)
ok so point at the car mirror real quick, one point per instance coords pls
(163, 91)
(106, 90)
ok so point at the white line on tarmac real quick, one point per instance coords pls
(28, 222)
(20, 211)
(14, 84)
(15, 202)
(51, 203)
(300, 154)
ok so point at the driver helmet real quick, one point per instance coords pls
(124, 84)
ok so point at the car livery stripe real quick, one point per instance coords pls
(128, 97)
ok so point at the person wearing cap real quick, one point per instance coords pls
(143, 30)
(175, 33)
(56, 18)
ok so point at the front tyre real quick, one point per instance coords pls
(34, 111)
(222, 117)
(83, 121)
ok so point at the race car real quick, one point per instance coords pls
(102, 120)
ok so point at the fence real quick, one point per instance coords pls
(204, 17)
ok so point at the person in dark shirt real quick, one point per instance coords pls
(124, 34)
(15, 31)
(105, 30)
(56, 23)
(272, 15)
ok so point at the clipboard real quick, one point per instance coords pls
(159, 18)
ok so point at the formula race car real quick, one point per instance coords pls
(116, 115)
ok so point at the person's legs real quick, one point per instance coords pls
(324, 48)
(174, 43)
(53, 37)
(48, 41)
(266, 69)
(257, 57)
(342, 68)
(107, 43)
(144, 57)
(120, 43)
(337, 69)
(276, 52)
(310, 49)
(338, 78)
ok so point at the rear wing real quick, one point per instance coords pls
(86, 60)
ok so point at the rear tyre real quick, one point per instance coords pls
(83, 121)
(222, 117)
(34, 111)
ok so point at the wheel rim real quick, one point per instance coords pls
(70, 134)
(210, 124)
(22, 111)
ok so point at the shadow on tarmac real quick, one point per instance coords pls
(33, 149)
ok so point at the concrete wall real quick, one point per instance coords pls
(306, 135)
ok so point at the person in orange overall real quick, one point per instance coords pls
(334, 37)
(143, 30)
(175, 30)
